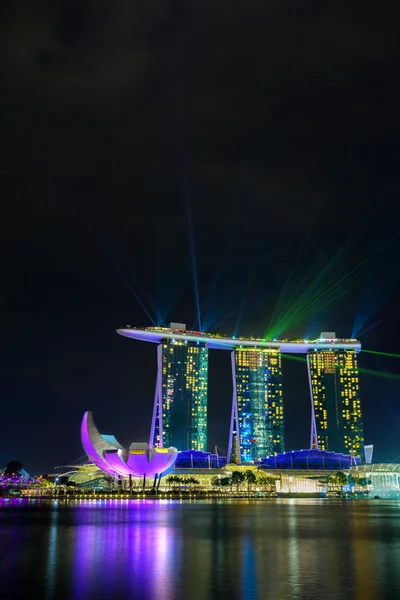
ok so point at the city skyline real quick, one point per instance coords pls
(230, 169)
(157, 166)
(221, 423)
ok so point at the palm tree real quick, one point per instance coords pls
(250, 478)
(174, 480)
(221, 481)
(238, 477)
(341, 478)
(363, 481)
(266, 480)
(192, 481)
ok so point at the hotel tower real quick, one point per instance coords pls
(336, 420)
(180, 407)
(257, 406)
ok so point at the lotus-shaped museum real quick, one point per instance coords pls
(138, 461)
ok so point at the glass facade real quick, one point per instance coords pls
(259, 421)
(336, 400)
(310, 459)
(184, 381)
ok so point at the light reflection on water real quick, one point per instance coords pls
(118, 549)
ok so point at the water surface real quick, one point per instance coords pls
(143, 549)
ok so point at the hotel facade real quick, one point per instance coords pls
(257, 413)
(336, 419)
(257, 406)
(183, 396)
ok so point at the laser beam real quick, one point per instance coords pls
(192, 248)
(381, 353)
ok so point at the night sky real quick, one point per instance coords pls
(252, 143)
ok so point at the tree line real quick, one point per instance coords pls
(235, 479)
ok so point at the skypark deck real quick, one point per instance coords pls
(221, 342)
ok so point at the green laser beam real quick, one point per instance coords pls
(372, 372)
(294, 357)
(299, 309)
(382, 374)
(309, 310)
(363, 262)
(298, 299)
(300, 315)
(287, 281)
(382, 353)
(332, 287)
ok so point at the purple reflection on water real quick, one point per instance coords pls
(129, 544)
(14, 501)
(53, 552)
(166, 550)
